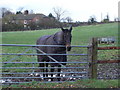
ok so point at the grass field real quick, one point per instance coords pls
(81, 36)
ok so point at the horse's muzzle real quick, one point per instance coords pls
(68, 47)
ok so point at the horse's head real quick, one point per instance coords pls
(67, 36)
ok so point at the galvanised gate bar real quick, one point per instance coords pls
(26, 70)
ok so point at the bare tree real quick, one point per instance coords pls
(20, 9)
(5, 11)
(69, 19)
(59, 13)
(31, 12)
(92, 20)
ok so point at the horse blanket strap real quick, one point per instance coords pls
(49, 57)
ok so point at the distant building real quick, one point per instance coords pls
(26, 19)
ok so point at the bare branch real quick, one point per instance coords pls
(59, 13)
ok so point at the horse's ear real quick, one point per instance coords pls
(62, 29)
(70, 28)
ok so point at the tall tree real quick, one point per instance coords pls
(5, 11)
(59, 13)
(92, 19)
(69, 19)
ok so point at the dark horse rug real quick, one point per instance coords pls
(62, 37)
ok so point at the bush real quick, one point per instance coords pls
(12, 27)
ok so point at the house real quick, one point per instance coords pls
(26, 19)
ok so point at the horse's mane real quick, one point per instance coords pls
(55, 37)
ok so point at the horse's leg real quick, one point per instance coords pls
(59, 70)
(46, 70)
(40, 59)
(52, 70)
(42, 70)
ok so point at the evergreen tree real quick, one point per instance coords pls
(50, 15)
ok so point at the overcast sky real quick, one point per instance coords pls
(78, 10)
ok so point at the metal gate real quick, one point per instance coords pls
(19, 64)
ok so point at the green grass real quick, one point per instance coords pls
(78, 84)
(81, 36)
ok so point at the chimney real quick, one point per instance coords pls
(26, 12)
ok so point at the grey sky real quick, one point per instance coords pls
(78, 10)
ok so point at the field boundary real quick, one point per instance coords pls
(32, 74)
(92, 62)
(94, 59)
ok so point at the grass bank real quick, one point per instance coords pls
(78, 84)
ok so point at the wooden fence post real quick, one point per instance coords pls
(93, 57)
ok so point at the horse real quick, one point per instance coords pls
(62, 37)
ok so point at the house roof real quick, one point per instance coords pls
(27, 17)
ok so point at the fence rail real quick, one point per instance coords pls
(42, 54)
(43, 67)
(47, 73)
(25, 45)
(40, 77)
(29, 72)
(94, 59)
(42, 62)
(108, 61)
(108, 48)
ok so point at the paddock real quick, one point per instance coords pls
(26, 70)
